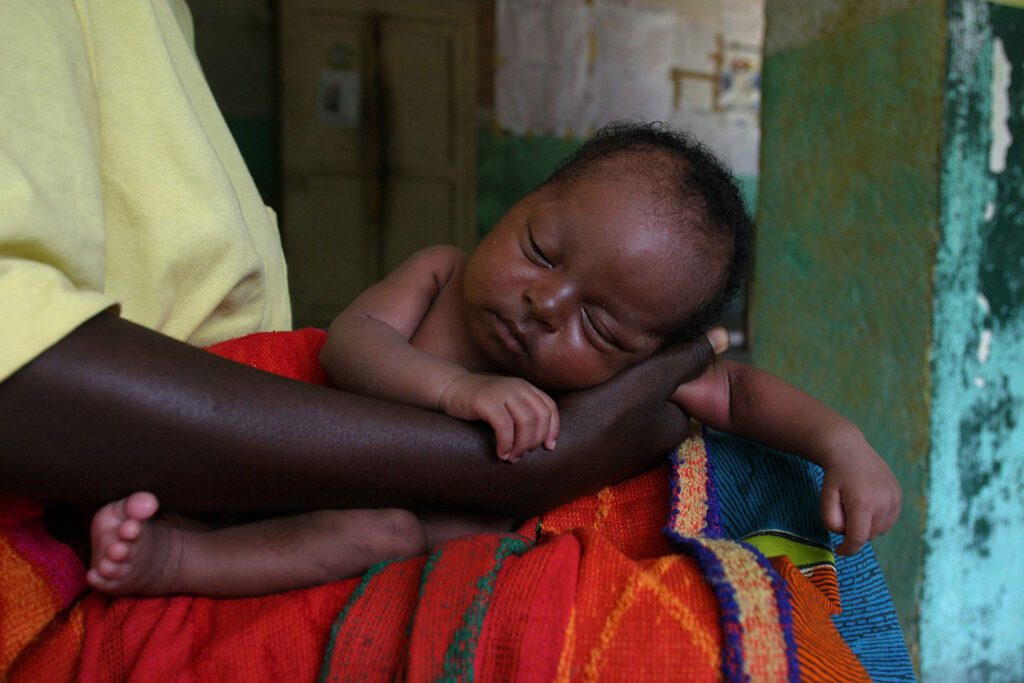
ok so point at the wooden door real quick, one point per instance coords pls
(379, 151)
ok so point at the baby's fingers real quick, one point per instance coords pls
(894, 510)
(832, 510)
(504, 431)
(886, 520)
(531, 420)
(857, 533)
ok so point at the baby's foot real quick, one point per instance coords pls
(131, 554)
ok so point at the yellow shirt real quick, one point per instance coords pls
(120, 183)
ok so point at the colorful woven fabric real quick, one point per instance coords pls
(39, 578)
(591, 591)
(761, 492)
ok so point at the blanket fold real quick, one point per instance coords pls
(591, 591)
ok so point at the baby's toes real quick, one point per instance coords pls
(111, 570)
(107, 519)
(129, 530)
(100, 582)
(96, 580)
(119, 552)
(140, 505)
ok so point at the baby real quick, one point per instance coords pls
(638, 240)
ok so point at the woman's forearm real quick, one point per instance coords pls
(115, 408)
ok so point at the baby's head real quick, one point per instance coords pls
(637, 240)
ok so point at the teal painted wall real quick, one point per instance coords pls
(972, 615)
(848, 225)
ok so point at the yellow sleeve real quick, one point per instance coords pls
(52, 235)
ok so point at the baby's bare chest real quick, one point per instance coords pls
(444, 333)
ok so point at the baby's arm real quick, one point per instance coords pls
(860, 497)
(368, 351)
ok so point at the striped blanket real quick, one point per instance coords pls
(661, 577)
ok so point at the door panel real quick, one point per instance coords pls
(334, 255)
(313, 47)
(420, 214)
(364, 190)
(417, 73)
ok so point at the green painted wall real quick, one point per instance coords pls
(258, 141)
(890, 282)
(848, 226)
(509, 167)
(972, 614)
(236, 45)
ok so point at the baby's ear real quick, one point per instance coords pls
(718, 337)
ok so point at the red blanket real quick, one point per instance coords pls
(590, 591)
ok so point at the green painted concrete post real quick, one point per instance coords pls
(890, 279)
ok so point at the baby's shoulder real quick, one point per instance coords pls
(442, 253)
(443, 263)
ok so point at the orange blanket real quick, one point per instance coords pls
(591, 591)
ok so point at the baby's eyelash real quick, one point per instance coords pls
(536, 249)
(604, 337)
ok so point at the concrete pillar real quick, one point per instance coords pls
(889, 283)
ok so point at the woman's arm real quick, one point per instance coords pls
(114, 408)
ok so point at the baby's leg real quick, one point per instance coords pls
(133, 554)
(441, 527)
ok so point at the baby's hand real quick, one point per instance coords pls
(523, 416)
(860, 497)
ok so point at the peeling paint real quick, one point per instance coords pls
(985, 346)
(972, 605)
(1001, 137)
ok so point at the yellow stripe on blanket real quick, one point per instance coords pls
(802, 553)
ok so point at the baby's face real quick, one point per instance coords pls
(578, 282)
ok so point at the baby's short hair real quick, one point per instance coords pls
(704, 194)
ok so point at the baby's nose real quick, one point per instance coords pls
(551, 302)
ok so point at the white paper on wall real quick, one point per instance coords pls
(338, 100)
(743, 22)
(633, 50)
(541, 68)
(567, 67)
